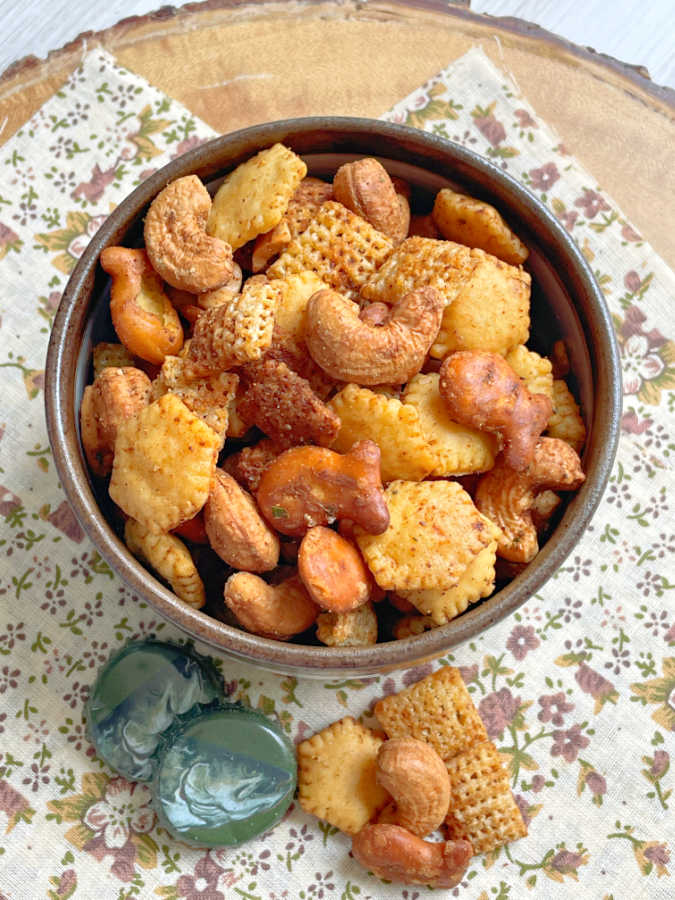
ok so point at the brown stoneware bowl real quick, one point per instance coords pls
(566, 303)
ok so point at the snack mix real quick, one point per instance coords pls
(322, 419)
(431, 770)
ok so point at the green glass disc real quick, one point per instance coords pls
(138, 695)
(224, 777)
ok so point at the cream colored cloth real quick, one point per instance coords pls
(577, 688)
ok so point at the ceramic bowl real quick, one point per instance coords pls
(566, 303)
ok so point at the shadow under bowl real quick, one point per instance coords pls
(566, 304)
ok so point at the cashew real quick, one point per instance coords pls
(142, 314)
(191, 305)
(276, 611)
(117, 394)
(332, 570)
(507, 496)
(351, 349)
(395, 854)
(364, 186)
(176, 240)
(375, 314)
(418, 781)
(308, 486)
(235, 528)
(482, 391)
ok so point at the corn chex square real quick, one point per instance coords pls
(434, 532)
(340, 247)
(482, 808)
(438, 710)
(336, 775)
(421, 262)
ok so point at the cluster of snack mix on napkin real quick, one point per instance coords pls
(575, 689)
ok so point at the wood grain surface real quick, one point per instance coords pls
(238, 63)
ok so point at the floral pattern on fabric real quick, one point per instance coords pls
(577, 688)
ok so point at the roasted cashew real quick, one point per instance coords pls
(276, 611)
(351, 349)
(235, 528)
(117, 394)
(364, 186)
(482, 391)
(308, 486)
(333, 571)
(179, 248)
(142, 314)
(395, 854)
(506, 496)
(418, 781)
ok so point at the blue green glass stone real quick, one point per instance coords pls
(138, 694)
(224, 777)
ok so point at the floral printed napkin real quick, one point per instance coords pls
(577, 688)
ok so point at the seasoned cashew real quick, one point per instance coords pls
(142, 314)
(117, 394)
(507, 496)
(276, 611)
(236, 531)
(333, 571)
(364, 186)
(308, 486)
(191, 305)
(395, 854)
(375, 314)
(351, 349)
(418, 781)
(176, 240)
(482, 391)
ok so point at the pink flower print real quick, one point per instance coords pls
(203, 884)
(124, 808)
(544, 177)
(7, 236)
(596, 784)
(566, 862)
(569, 218)
(633, 282)
(640, 363)
(660, 763)
(630, 234)
(538, 783)
(469, 673)
(633, 425)
(64, 519)
(553, 708)
(525, 119)
(188, 144)
(521, 640)
(591, 202)
(497, 711)
(93, 189)
(568, 743)
(8, 501)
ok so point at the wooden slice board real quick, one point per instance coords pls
(238, 63)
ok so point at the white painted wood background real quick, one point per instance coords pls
(641, 32)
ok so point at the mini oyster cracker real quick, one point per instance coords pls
(220, 772)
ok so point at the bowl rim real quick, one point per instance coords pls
(64, 344)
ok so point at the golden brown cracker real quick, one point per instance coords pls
(438, 709)
(490, 312)
(434, 532)
(566, 422)
(482, 808)
(253, 198)
(457, 449)
(336, 775)
(164, 461)
(392, 425)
